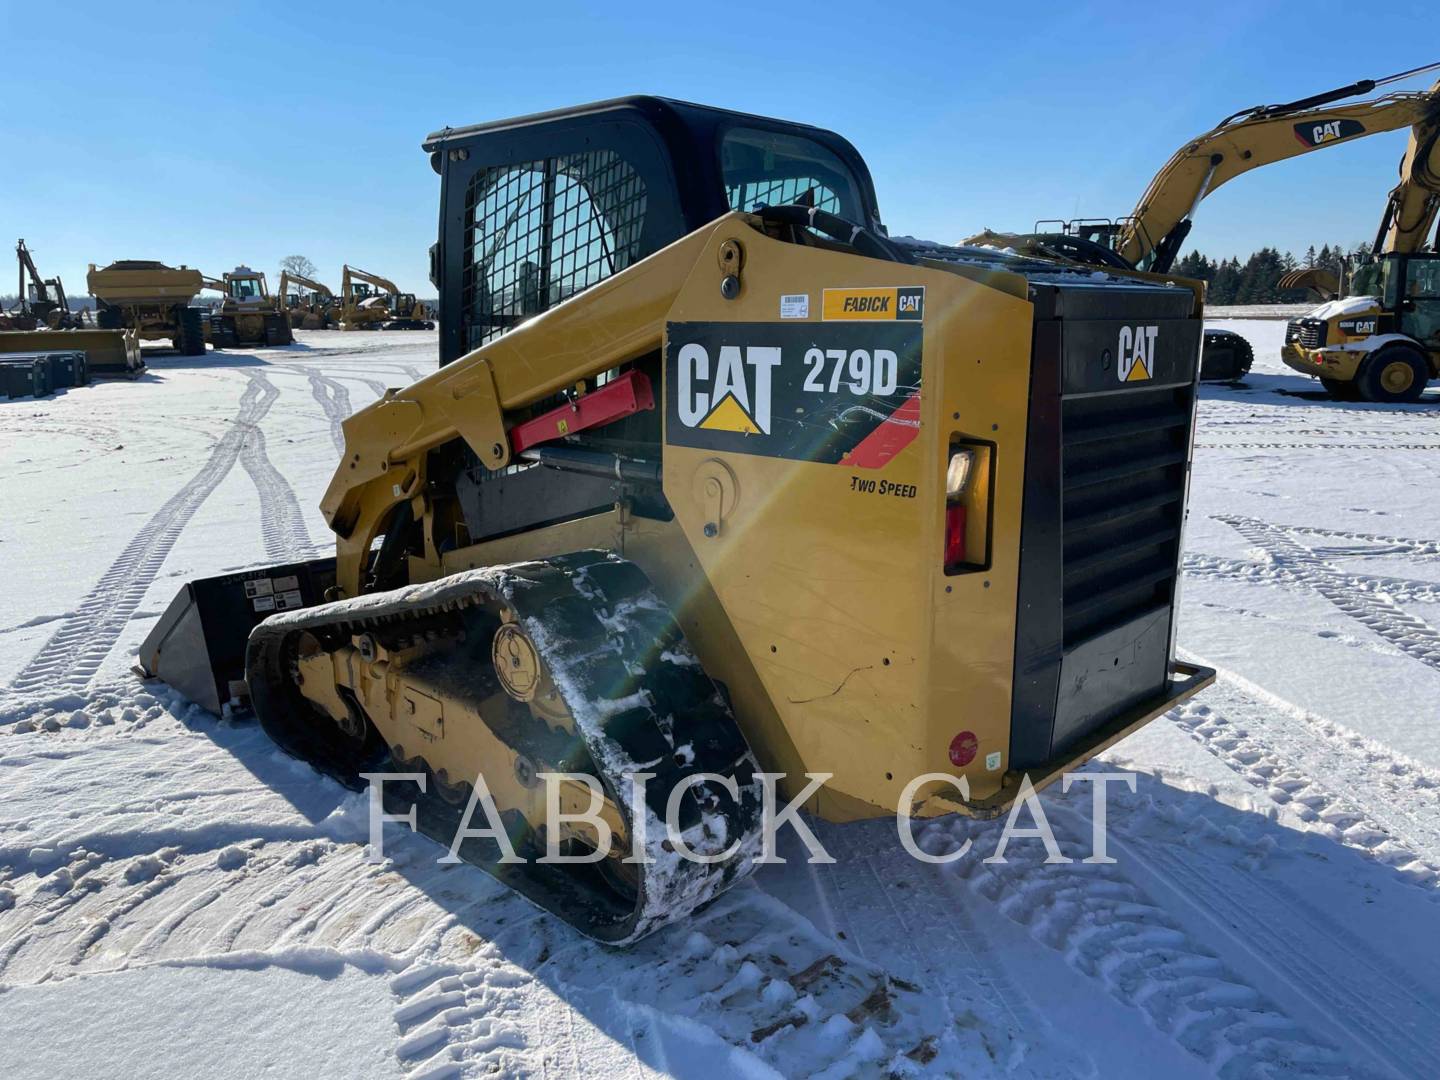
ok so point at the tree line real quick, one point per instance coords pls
(1253, 282)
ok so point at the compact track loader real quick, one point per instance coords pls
(716, 477)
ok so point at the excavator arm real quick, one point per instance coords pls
(27, 264)
(1413, 205)
(1157, 227)
(352, 274)
(287, 279)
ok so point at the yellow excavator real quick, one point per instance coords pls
(309, 311)
(1382, 342)
(1151, 237)
(720, 498)
(371, 302)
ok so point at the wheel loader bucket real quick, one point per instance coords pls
(198, 646)
(1322, 282)
(110, 354)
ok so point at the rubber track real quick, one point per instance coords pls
(640, 700)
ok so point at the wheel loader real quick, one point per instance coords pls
(718, 487)
(1381, 343)
(249, 317)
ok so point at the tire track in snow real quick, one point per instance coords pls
(888, 906)
(334, 400)
(1382, 1009)
(282, 523)
(466, 950)
(1109, 929)
(1316, 446)
(1335, 782)
(69, 660)
(1404, 590)
(1369, 545)
(1375, 610)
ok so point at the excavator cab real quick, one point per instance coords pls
(717, 482)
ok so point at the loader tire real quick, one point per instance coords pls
(1395, 375)
(107, 317)
(1225, 357)
(1341, 389)
(190, 340)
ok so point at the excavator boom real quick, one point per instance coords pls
(353, 274)
(287, 278)
(1152, 236)
(1413, 205)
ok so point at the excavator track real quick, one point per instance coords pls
(622, 694)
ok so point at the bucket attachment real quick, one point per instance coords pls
(112, 354)
(198, 646)
(1321, 282)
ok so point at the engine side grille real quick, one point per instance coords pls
(1309, 333)
(1122, 507)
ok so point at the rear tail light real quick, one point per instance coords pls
(957, 474)
(957, 488)
(954, 534)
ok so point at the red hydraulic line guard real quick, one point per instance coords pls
(617, 399)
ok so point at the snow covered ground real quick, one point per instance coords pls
(177, 898)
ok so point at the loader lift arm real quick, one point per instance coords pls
(1152, 236)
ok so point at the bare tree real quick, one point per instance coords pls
(300, 265)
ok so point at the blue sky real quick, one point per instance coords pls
(213, 134)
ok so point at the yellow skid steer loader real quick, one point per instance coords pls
(715, 478)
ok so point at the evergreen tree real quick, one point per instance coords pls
(1226, 282)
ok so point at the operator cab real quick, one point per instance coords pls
(1410, 293)
(244, 285)
(541, 207)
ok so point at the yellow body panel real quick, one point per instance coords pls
(824, 607)
(1322, 363)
